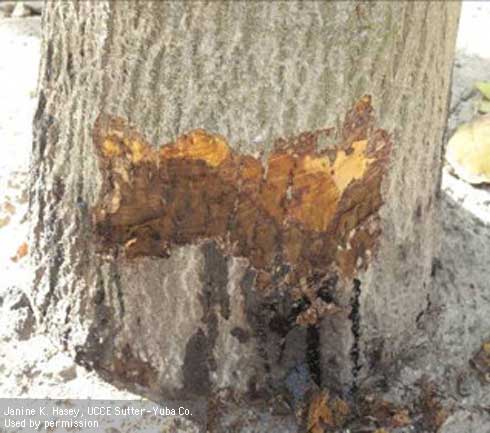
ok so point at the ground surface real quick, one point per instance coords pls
(31, 367)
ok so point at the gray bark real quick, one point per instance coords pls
(252, 72)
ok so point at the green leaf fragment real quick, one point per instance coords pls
(484, 107)
(484, 88)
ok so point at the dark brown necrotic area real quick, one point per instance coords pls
(297, 214)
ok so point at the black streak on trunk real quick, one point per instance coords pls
(356, 332)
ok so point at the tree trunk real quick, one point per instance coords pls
(239, 195)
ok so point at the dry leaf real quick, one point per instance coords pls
(317, 311)
(4, 221)
(319, 414)
(21, 252)
(9, 208)
(468, 151)
(401, 418)
(326, 413)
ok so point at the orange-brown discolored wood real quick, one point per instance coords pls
(302, 213)
(326, 414)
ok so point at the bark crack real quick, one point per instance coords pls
(355, 318)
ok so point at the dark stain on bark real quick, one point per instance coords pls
(355, 318)
(54, 230)
(66, 335)
(116, 278)
(49, 61)
(55, 262)
(41, 124)
(129, 368)
(258, 325)
(122, 367)
(313, 356)
(375, 354)
(58, 189)
(436, 267)
(281, 343)
(99, 342)
(242, 335)
(70, 69)
(45, 132)
(215, 278)
(196, 370)
(199, 359)
(38, 229)
(99, 352)
(38, 117)
(99, 296)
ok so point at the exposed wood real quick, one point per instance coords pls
(307, 215)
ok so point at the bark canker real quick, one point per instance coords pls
(303, 216)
